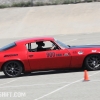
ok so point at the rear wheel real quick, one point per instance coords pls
(12, 69)
(92, 62)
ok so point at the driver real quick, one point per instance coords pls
(40, 46)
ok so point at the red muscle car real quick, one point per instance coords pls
(46, 53)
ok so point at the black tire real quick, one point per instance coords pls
(12, 69)
(27, 73)
(92, 62)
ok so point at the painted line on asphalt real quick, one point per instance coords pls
(93, 43)
(71, 40)
(34, 85)
(10, 81)
(64, 87)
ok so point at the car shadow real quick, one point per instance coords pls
(36, 73)
(52, 72)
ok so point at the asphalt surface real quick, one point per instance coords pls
(76, 24)
(50, 20)
(54, 85)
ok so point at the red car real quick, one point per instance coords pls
(46, 53)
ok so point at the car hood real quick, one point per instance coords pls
(85, 46)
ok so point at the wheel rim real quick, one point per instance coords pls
(12, 69)
(94, 62)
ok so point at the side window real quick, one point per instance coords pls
(31, 47)
(41, 46)
(48, 44)
(27, 46)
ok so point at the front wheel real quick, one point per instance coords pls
(92, 62)
(12, 69)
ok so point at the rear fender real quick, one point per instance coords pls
(25, 64)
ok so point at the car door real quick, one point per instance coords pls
(49, 59)
(44, 60)
(58, 59)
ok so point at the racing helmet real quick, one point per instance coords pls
(40, 43)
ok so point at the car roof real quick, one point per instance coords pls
(28, 40)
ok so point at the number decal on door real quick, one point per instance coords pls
(50, 54)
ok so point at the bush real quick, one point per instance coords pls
(4, 6)
(22, 4)
(52, 2)
(66, 2)
(39, 4)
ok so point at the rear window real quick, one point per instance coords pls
(9, 46)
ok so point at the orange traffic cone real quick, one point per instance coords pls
(86, 78)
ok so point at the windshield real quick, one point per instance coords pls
(11, 45)
(61, 44)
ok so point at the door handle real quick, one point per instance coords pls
(30, 55)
